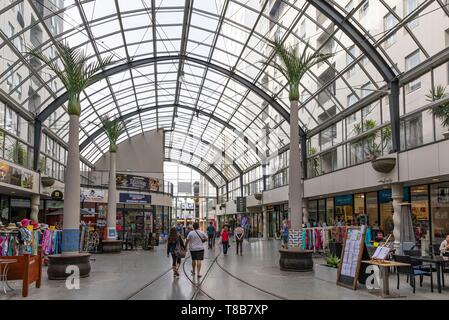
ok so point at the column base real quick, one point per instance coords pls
(58, 263)
(112, 246)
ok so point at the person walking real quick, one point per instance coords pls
(211, 235)
(239, 234)
(284, 234)
(175, 247)
(225, 239)
(194, 241)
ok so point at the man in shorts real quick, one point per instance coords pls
(195, 241)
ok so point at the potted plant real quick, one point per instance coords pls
(76, 73)
(329, 270)
(293, 65)
(314, 163)
(440, 111)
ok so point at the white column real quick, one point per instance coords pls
(35, 202)
(70, 234)
(305, 210)
(397, 196)
(265, 222)
(112, 198)
(294, 186)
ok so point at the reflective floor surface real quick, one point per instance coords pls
(142, 274)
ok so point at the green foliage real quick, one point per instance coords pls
(440, 111)
(371, 147)
(113, 127)
(76, 73)
(18, 154)
(333, 261)
(294, 65)
(315, 162)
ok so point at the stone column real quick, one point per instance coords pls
(294, 177)
(112, 199)
(35, 202)
(265, 222)
(71, 223)
(396, 195)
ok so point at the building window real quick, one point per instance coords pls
(409, 7)
(364, 9)
(349, 6)
(411, 62)
(352, 98)
(302, 29)
(390, 22)
(19, 85)
(349, 59)
(365, 90)
(10, 78)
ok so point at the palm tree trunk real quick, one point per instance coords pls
(295, 192)
(112, 198)
(70, 234)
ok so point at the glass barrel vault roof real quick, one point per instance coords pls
(210, 120)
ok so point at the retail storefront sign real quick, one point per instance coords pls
(385, 195)
(135, 198)
(345, 200)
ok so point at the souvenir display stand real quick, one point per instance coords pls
(27, 268)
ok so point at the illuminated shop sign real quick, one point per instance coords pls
(135, 198)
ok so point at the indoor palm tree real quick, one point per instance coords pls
(293, 65)
(76, 73)
(441, 111)
(113, 129)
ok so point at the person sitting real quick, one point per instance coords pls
(444, 246)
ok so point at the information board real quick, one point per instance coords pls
(351, 257)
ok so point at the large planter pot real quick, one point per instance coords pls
(446, 135)
(47, 181)
(326, 273)
(383, 164)
(58, 263)
(295, 259)
(258, 196)
(112, 246)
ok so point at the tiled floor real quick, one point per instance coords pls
(145, 275)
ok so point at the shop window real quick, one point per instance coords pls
(420, 212)
(359, 209)
(321, 212)
(371, 209)
(440, 211)
(330, 211)
(344, 208)
(313, 211)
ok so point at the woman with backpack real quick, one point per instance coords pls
(177, 248)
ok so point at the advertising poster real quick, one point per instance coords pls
(134, 198)
(153, 184)
(5, 172)
(92, 195)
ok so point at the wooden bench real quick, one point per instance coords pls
(27, 268)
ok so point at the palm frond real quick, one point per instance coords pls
(113, 128)
(441, 111)
(76, 73)
(296, 65)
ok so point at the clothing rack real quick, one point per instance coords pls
(317, 238)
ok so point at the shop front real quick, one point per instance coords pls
(276, 214)
(429, 210)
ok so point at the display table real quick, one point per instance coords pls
(385, 271)
(4, 267)
(295, 259)
(111, 246)
(58, 263)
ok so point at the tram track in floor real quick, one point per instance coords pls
(135, 293)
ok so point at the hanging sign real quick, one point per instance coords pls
(241, 204)
(56, 195)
